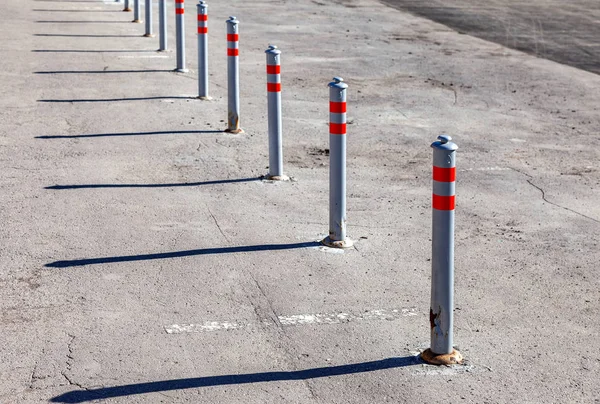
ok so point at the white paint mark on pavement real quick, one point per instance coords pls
(295, 320)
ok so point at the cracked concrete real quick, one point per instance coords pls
(113, 169)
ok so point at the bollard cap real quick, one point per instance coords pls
(202, 2)
(338, 82)
(444, 142)
(273, 50)
(233, 20)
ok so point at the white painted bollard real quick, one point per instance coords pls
(274, 114)
(203, 50)
(233, 76)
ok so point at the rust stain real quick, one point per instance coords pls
(432, 318)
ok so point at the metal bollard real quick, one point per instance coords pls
(180, 31)
(233, 77)
(274, 113)
(337, 165)
(203, 50)
(136, 11)
(126, 6)
(148, 10)
(162, 24)
(441, 315)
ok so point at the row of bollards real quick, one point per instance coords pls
(441, 351)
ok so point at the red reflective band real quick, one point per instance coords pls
(273, 69)
(233, 37)
(233, 52)
(179, 11)
(203, 30)
(337, 107)
(273, 87)
(179, 1)
(202, 17)
(443, 202)
(337, 128)
(444, 174)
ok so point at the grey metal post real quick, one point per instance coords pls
(203, 50)
(126, 6)
(180, 31)
(441, 315)
(274, 113)
(148, 10)
(233, 77)
(136, 11)
(162, 24)
(337, 165)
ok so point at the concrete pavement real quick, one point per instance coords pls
(143, 260)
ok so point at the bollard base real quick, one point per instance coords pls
(126, 9)
(149, 35)
(137, 21)
(181, 70)
(277, 177)
(240, 130)
(205, 97)
(347, 243)
(453, 358)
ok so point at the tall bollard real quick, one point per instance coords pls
(162, 24)
(233, 77)
(274, 113)
(337, 165)
(441, 315)
(136, 11)
(203, 50)
(148, 10)
(126, 6)
(180, 31)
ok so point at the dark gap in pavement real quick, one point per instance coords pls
(178, 254)
(233, 379)
(166, 132)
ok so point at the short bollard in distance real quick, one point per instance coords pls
(233, 76)
(162, 25)
(441, 315)
(126, 6)
(148, 11)
(274, 114)
(203, 51)
(136, 11)
(180, 35)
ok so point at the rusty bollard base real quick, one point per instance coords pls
(328, 242)
(277, 177)
(240, 130)
(126, 9)
(453, 358)
(204, 98)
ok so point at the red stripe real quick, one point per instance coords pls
(179, 1)
(179, 11)
(443, 202)
(273, 87)
(233, 37)
(233, 52)
(273, 69)
(337, 107)
(337, 128)
(203, 30)
(444, 174)
(202, 17)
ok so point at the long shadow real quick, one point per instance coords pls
(177, 254)
(209, 381)
(89, 36)
(104, 71)
(84, 22)
(177, 97)
(173, 185)
(78, 11)
(93, 51)
(166, 132)
(71, 1)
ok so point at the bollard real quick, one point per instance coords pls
(233, 77)
(162, 24)
(180, 37)
(148, 10)
(441, 315)
(274, 114)
(126, 6)
(337, 165)
(203, 50)
(136, 11)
